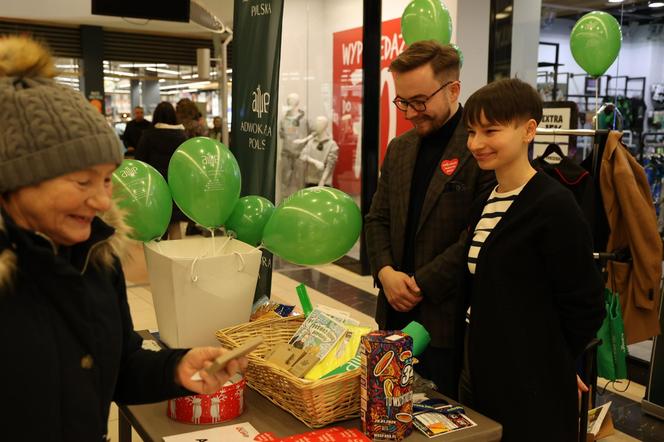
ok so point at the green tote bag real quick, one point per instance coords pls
(612, 353)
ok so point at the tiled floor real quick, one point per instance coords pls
(339, 288)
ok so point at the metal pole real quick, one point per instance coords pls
(221, 42)
(370, 111)
(554, 96)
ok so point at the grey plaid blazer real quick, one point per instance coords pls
(441, 232)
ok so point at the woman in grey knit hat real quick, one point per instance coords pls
(65, 329)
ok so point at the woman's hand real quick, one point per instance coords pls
(196, 359)
(581, 387)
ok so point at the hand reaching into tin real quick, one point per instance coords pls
(196, 359)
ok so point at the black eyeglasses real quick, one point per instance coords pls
(417, 105)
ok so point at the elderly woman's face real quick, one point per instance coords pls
(63, 208)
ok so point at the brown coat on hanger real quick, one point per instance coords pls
(631, 216)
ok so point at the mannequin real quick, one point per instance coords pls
(292, 127)
(319, 156)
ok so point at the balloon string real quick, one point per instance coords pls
(597, 102)
(223, 246)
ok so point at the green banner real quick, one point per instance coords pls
(256, 54)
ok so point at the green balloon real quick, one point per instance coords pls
(142, 192)
(426, 20)
(204, 178)
(458, 49)
(249, 217)
(595, 42)
(313, 226)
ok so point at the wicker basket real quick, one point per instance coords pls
(316, 403)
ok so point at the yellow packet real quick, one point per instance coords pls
(341, 353)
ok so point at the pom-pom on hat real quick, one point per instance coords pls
(46, 129)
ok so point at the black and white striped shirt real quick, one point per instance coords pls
(494, 210)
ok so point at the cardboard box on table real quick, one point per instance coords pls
(200, 285)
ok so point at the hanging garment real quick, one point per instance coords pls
(578, 181)
(631, 216)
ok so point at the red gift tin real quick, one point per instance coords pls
(225, 404)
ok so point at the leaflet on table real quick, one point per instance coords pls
(433, 424)
(598, 424)
(242, 432)
(319, 332)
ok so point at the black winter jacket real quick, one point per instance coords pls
(536, 301)
(157, 146)
(68, 340)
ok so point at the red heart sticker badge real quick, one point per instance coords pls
(449, 166)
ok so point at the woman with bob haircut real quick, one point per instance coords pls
(534, 294)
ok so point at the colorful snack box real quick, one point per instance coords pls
(386, 375)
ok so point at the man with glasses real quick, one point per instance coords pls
(420, 210)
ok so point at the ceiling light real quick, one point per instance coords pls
(655, 4)
(616, 1)
(143, 65)
(113, 72)
(185, 85)
(163, 71)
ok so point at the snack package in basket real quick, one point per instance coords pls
(318, 334)
(266, 309)
(345, 350)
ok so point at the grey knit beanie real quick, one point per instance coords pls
(46, 129)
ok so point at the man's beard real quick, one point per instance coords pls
(432, 125)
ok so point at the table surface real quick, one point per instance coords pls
(152, 424)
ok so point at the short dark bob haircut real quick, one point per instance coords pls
(164, 113)
(503, 102)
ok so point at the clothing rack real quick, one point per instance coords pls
(589, 358)
(599, 141)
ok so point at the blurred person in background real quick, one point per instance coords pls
(191, 118)
(156, 148)
(134, 130)
(216, 132)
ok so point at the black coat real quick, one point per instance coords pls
(536, 301)
(68, 341)
(156, 148)
(133, 131)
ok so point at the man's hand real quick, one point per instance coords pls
(400, 289)
(196, 359)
